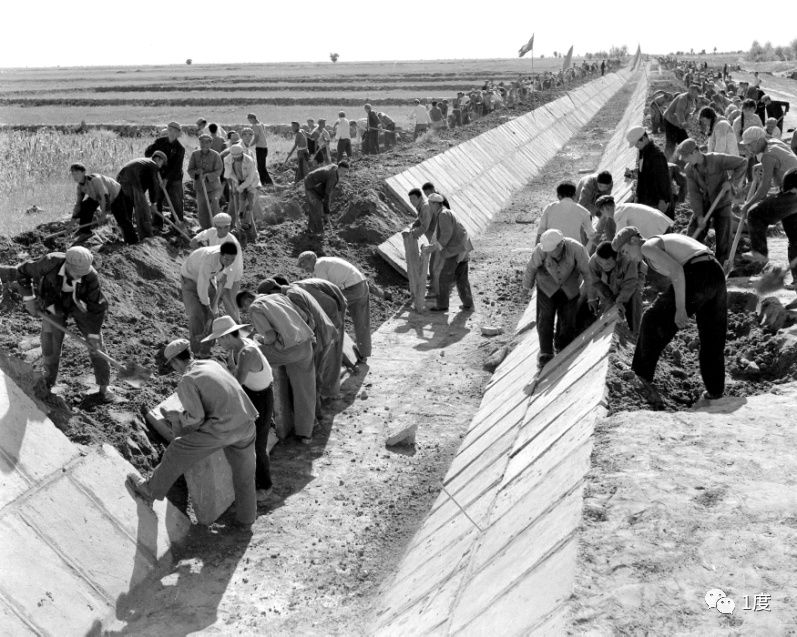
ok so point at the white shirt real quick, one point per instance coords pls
(647, 220)
(203, 265)
(568, 217)
(210, 237)
(420, 115)
(343, 130)
(338, 271)
(723, 139)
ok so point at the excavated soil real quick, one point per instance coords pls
(754, 355)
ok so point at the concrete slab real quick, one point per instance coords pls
(72, 539)
(518, 477)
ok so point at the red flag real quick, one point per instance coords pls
(529, 46)
(568, 59)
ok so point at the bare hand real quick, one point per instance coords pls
(681, 318)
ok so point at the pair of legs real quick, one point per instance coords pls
(185, 451)
(706, 300)
(558, 310)
(264, 403)
(721, 222)
(358, 298)
(204, 212)
(294, 380)
(52, 341)
(132, 200)
(199, 317)
(780, 207)
(302, 158)
(261, 154)
(174, 187)
(315, 218)
(453, 272)
(344, 147)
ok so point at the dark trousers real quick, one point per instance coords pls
(373, 141)
(344, 146)
(86, 213)
(706, 300)
(302, 157)
(721, 222)
(555, 309)
(315, 219)
(123, 208)
(781, 207)
(52, 341)
(673, 135)
(175, 189)
(453, 272)
(264, 403)
(261, 154)
(390, 136)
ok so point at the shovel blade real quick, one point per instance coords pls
(134, 374)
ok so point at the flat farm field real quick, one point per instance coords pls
(279, 93)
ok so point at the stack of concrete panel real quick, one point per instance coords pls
(73, 541)
(618, 154)
(480, 175)
(498, 548)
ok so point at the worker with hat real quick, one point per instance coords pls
(215, 236)
(246, 361)
(697, 289)
(204, 274)
(711, 179)
(287, 342)
(240, 170)
(205, 167)
(138, 192)
(216, 414)
(616, 282)
(172, 171)
(653, 186)
(558, 265)
(58, 286)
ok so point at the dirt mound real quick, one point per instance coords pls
(368, 219)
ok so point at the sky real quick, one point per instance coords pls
(140, 32)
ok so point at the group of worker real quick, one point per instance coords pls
(592, 255)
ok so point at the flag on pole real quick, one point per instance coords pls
(637, 57)
(529, 46)
(568, 59)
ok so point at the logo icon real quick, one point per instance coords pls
(713, 596)
(716, 598)
(725, 605)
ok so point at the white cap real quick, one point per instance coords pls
(551, 239)
(634, 135)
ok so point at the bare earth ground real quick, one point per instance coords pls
(360, 501)
(346, 505)
(683, 502)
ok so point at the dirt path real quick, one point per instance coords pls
(347, 504)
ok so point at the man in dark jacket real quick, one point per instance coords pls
(318, 186)
(137, 179)
(57, 286)
(653, 186)
(767, 107)
(172, 172)
(372, 131)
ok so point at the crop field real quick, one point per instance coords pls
(37, 173)
(279, 93)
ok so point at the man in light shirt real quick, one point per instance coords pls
(557, 266)
(215, 236)
(649, 221)
(353, 285)
(260, 142)
(567, 216)
(202, 274)
(93, 191)
(421, 117)
(342, 129)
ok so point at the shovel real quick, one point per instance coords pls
(61, 233)
(736, 237)
(705, 218)
(130, 372)
(171, 207)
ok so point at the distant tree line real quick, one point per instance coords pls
(769, 53)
